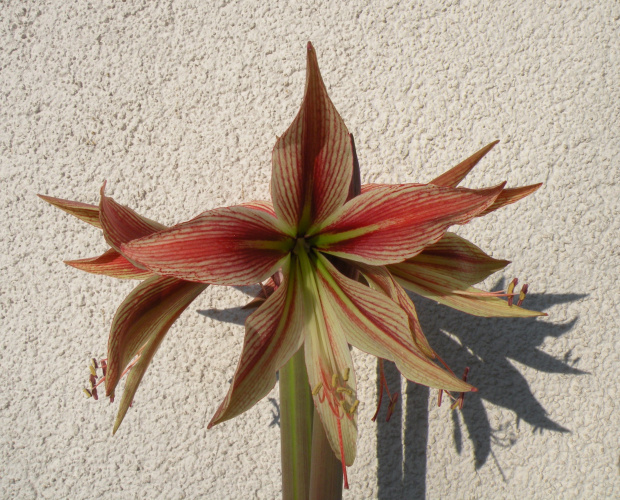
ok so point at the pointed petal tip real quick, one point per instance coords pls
(310, 47)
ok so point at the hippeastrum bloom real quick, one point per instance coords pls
(307, 233)
(145, 316)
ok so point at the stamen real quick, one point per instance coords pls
(439, 397)
(95, 363)
(346, 390)
(391, 407)
(334, 380)
(461, 399)
(522, 294)
(347, 372)
(318, 387)
(354, 407)
(87, 392)
(93, 371)
(511, 289)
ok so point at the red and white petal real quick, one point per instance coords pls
(455, 175)
(83, 211)
(329, 365)
(138, 328)
(378, 326)
(459, 258)
(439, 284)
(273, 334)
(226, 246)
(392, 224)
(510, 195)
(313, 160)
(381, 280)
(110, 263)
(121, 224)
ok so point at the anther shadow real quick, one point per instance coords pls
(234, 315)
(486, 345)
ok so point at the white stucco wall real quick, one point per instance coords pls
(178, 105)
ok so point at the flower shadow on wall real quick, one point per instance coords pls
(487, 346)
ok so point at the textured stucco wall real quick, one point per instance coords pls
(178, 105)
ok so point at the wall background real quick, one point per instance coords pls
(177, 105)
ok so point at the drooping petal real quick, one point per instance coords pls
(455, 256)
(378, 326)
(226, 246)
(390, 224)
(312, 161)
(111, 263)
(382, 281)
(83, 211)
(138, 328)
(455, 175)
(444, 272)
(274, 333)
(329, 365)
(510, 195)
(121, 224)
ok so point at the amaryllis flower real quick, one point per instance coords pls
(145, 316)
(306, 233)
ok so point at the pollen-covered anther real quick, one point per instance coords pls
(522, 294)
(87, 393)
(317, 388)
(511, 289)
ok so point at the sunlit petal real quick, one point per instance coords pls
(391, 224)
(226, 246)
(111, 263)
(313, 160)
(274, 332)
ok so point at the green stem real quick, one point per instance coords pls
(296, 415)
(326, 475)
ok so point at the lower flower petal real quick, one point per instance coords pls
(226, 246)
(376, 325)
(274, 333)
(329, 365)
(138, 328)
(381, 280)
(453, 291)
(110, 263)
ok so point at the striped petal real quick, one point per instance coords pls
(313, 160)
(226, 246)
(274, 333)
(455, 175)
(138, 328)
(390, 224)
(329, 365)
(510, 195)
(121, 224)
(83, 211)
(444, 272)
(382, 281)
(110, 263)
(378, 326)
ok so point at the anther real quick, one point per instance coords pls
(511, 289)
(317, 388)
(522, 294)
(354, 407)
(95, 363)
(346, 374)
(95, 395)
(334, 380)
(93, 371)
(346, 390)
(87, 392)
